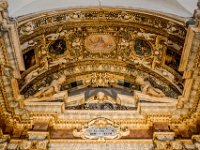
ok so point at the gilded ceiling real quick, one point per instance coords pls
(105, 74)
(122, 43)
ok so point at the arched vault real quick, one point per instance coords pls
(106, 72)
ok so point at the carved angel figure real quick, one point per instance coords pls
(52, 89)
(147, 88)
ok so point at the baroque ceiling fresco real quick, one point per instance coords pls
(80, 78)
(123, 43)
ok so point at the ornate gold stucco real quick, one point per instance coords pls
(130, 50)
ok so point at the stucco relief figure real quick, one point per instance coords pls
(100, 102)
(147, 36)
(158, 50)
(172, 29)
(77, 15)
(27, 29)
(52, 89)
(77, 47)
(100, 79)
(155, 59)
(53, 36)
(147, 88)
(142, 61)
(35, 73)
(76, 42)
(160, 41)
(59, 61)
(32, 43)
(124, 47)
(100, 97)
(60, 33)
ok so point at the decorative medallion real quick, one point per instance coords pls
(100, 43)
(58, 47)
(142, 48)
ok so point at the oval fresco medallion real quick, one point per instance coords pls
(100, 43)
(142, 48)
(58, 47)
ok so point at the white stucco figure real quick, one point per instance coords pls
(52, 89)
(147, 88)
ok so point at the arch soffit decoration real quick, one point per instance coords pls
(124, 27)
(39, 33)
